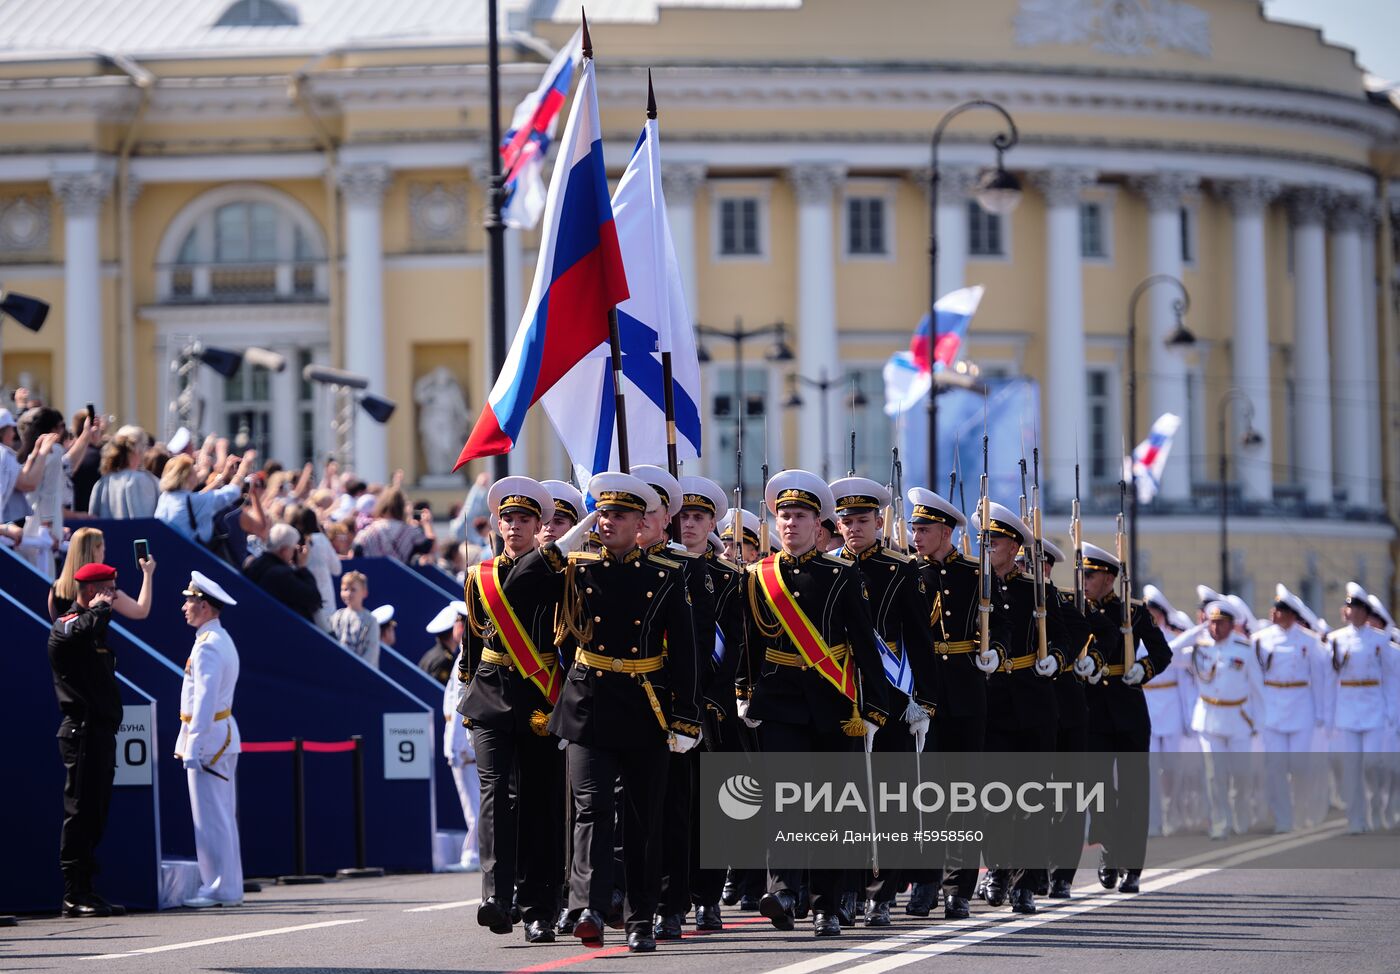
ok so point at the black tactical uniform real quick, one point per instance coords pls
(520, 831)
(85, 681)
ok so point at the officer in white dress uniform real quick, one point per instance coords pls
(1170, 698)
(1390, 815)
(209, 745)
(1365, 685)
(1229, 690)
(1295, 673)
(457, 740)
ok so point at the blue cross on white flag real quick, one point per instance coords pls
(717, 654)
(896, 666)
(652, 320)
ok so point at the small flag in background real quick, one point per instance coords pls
(1150, 457)
(526, 143)
(954, 311)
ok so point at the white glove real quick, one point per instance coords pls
(1047, 666)
(1135, 675)
(563, 743)
(742, 707)
(987, 662)
(920, 732)
(920, 725)
(191, 764)
(1084, 666)
(1098, 675)
(577, 534)
(680, 743)
(871, 729)
(751, 724)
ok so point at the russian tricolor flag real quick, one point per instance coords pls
(954, 310)
(1150, 456)
(525, 145)
(578, 278)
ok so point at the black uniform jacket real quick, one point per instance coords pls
(951, 587)
(85, 670)
(900, 609)
(1017, 696)
(717, 676)
(1114, 706)
(1069, 687)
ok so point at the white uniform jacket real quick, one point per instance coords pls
(1296, 676)
(1228, 686)
(207, 728)
(1365, 679)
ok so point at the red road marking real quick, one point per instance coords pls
(554, 965)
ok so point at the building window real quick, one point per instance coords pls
(259, 13)
(724, 427)
(247, 410)
(1188, 236)
(1104, 447)
(247, 251)
(739, 228)
(984, 232)
(1093, 241)
(866, 226)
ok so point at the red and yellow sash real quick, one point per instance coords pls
(805, 636)
(517, 640)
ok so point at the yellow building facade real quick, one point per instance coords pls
(308, 176)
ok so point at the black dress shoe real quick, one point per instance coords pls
(981, 891)
(589, 928)
(709, 918)
(539, 932)
(564, 925)
(826, 924)
(778, 907)
(877, 914)
(515, 914)
(1108, 878)
(729, 896)
(804, 903)
(492, 915)
(995, 892)
(100, 901)
(1129, 883)
(667, 927)
(748, 902)
(80, 907)
(846, 909)
(1060, 889)
(615, 905)
(1022, 901)
(956, 907)
(638, 942)
(1042, 888)
(921, 900)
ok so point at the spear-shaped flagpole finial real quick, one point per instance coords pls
(587, 40)
(651, 97)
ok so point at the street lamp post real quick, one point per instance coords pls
(779, 352)
(998, 192)
(1180, 338)
(822, 384)
(1252, 438)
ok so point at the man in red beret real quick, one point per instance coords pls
(85, 680)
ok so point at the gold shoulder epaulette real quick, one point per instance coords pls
(897, 555)
(726, 564)
(577, 556)
(837, 558)
(672, 552)
(667, 562)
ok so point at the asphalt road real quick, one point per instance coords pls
(1190, 919)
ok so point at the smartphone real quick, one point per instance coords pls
(142, 548)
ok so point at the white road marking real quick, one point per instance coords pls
(444, 906)
(276, 931)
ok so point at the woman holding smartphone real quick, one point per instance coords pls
(86, 547)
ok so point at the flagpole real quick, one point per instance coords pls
(668, 387)
(495, 227)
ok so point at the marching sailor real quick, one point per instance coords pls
(820, 685)
(1170, 698)
(899, 606)
(1295, 672)
(512, 682)
(1365, 694)
(951, 583)
(568, 510)
(746, 550)
(630, 693)
(209, 744)
(1121, 664)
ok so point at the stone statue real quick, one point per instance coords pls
(442, 419)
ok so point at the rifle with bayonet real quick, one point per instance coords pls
(984, 559)
(1037, 557)
(962, 496)
(1125, 583)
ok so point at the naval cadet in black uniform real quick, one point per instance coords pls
(630, 691)
(899, 606)
(1022, 708)
(513, 680)
(1118, 719)
(794, 706)
(951, 584)
(85, 681)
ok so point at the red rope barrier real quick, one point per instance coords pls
(274, 747)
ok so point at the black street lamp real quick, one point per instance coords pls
(822, 384)
(777, 352)
(1180, 338)
(998, 192)
(1251, 438)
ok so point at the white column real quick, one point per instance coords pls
(1167, 386)
(1313, 385)
(1370, 330)
(1351, 415)
(363, 188)
(680, 181)
(286, 417)
(1067, 410)
(818, 351)
(955, 186)
(1248, 199)
(84, 352)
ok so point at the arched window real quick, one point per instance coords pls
(243, 245)
(259, 13)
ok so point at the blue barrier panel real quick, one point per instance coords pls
(147, 669)
(295, 681)
(415, 602)
(129, 854)
(441, 579)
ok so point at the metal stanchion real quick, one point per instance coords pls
(357, 797)
(299, 819)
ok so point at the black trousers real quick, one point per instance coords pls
(957, 735)
(89, 761)
(593, 776)
(825, 885)
(893, 738)
(1067, 827)
(678, 832)
(521, 830)
(1122, 829)
(1017, 838)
